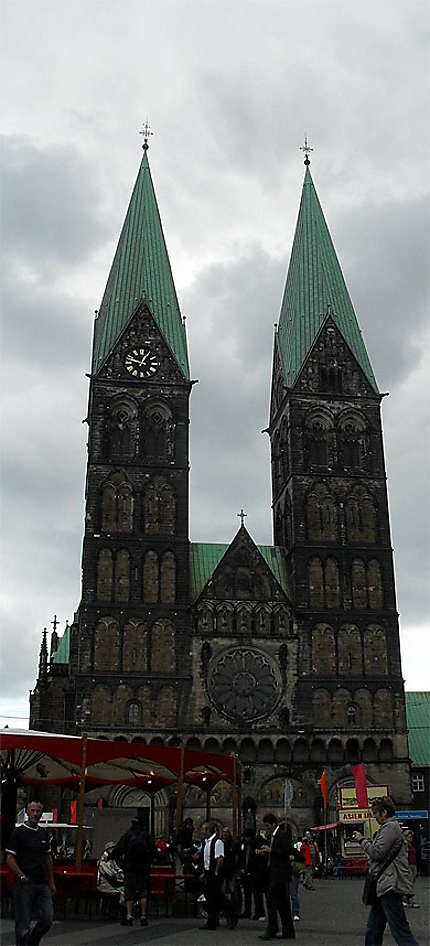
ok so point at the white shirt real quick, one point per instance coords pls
(219, 850)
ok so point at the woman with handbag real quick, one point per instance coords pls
(388, 880)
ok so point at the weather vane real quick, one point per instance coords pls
(306, 148)
(146, 132)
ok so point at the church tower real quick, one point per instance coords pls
(330, 508)
(128, 635)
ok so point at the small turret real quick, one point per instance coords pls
(43, 658)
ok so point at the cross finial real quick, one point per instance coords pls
(242, 515)
(146, 132)
(55, 622)
(306, 148)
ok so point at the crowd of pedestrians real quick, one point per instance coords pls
(256, 876)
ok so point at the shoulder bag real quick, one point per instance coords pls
(369, 896)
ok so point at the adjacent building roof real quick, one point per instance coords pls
(140, 272)
(314, 288)
(62, 654)
(206, 556)
(418, 720)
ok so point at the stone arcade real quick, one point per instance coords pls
(288, 654)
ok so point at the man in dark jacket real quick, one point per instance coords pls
(136, 850)
(281, 856)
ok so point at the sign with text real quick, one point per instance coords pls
(348, 798)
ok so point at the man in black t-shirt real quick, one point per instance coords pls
(29, 858)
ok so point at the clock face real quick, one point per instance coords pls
(244, 684)
(141, 362)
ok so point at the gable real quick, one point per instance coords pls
(240, 571)
(331, 366)
(142, 331)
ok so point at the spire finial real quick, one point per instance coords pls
(146, 132)
(242, 515)
(306, 148)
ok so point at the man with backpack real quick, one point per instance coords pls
(135, 848)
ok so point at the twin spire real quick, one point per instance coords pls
(314, 289)
(141, 273)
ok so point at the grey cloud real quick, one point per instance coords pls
(52, 205)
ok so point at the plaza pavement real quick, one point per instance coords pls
(332, 915)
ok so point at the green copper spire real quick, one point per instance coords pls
(315, 287)
(140, 273)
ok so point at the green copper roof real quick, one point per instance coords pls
(62, 654)
(418, 720)
(314, 287)
(205, 556)
(140, 272)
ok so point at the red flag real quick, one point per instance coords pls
(73, 812)
(322, 782)
(359, 774)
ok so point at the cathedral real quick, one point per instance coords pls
(286, 655)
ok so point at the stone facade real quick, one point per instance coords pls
(293, 675)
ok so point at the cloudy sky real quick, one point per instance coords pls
(230, 88)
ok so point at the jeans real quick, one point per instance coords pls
(278, 901)
(294, 894)
(389, 909)
(28, 896)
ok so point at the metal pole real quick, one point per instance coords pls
(78, 864)
(235, 801)
(180, 795)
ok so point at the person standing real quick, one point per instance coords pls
(29, 858)
(297, 871)
(409, 900)
(281, 855)
(230, 901)
(136, 850)
(213, 858)
(388, 860)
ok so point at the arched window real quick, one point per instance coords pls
(359, 584)
(283, 449)
(106, 645)
(332, 590)
(360, 512)
(321, 708)
(122, 575)
(353, 440)
(104, 575)
(323, 650)
(276, 462)
(321, 514)
(122, 428)
(134, 713)
(383, 709)
(159, 431)
(363, 700)
(349, 651)
(318, 439)
(163, 648)
(341, 701)
(133, 647)
(375, 651)
(374, 581)
(352, 715)
(117, 505)
(316, 583)
(150, 578)
(168, 578)
(159, 508)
